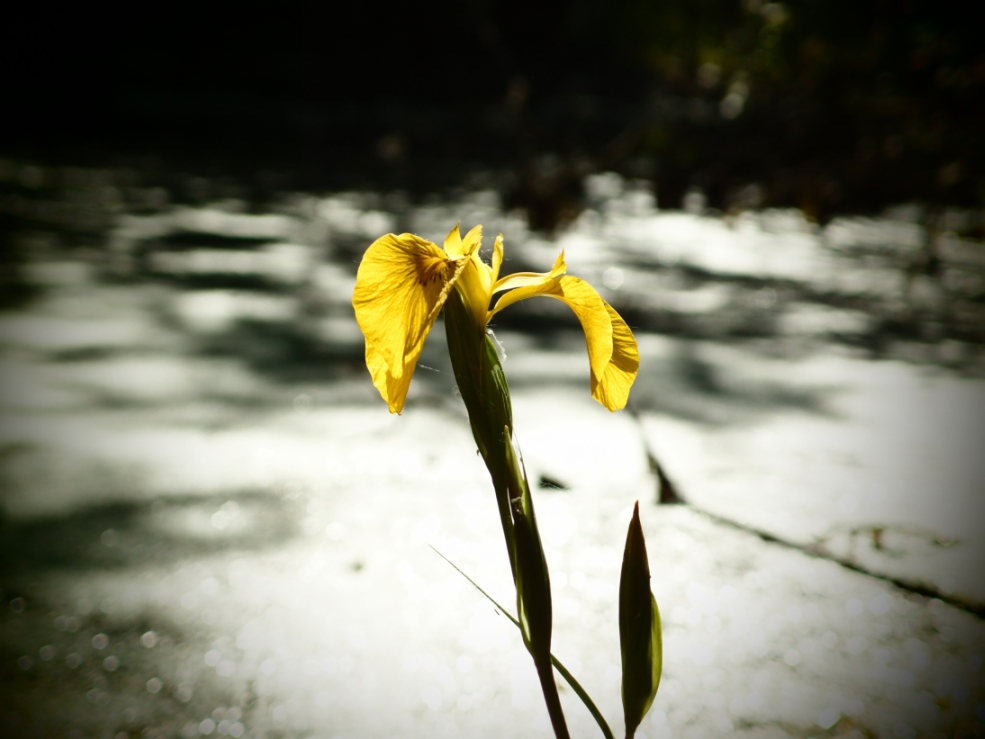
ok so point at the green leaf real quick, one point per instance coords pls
(569, 678)
(656, 649)
(640, 637)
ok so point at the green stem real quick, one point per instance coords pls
(486, 394)
(482, 386)
(506, 519)
(580, 692)
(549, 688)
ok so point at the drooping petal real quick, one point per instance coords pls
(611, 388)
(392, 389)
(587, 304)
(401, 285)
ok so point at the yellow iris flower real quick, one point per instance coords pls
(403, 282)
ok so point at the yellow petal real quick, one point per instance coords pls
(392, 389)
(611, 388)
(456, 246)
(497, 258)
(471, 244)
(560, 266)
(473, 287)
(401, 285)
(453, 242)
(472, 241)
(474, 277)
(527, 279)
(592, 312)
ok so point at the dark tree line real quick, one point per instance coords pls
(824, 104)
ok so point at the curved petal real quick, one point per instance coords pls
(528, 279)
(401, 285)
(392, 389)
(472, 241)
(611, 388)
(456, 246)
(592, 312)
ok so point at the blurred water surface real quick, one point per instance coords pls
(211, 524)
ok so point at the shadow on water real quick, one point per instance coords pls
(706, 379)
(284, 310)
(143, 674)
(125, 534)
(684, 381)
(284, 353)
(94, 676)
(687, 388)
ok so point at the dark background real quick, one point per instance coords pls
(848, 106)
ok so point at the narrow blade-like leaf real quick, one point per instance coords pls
(575, 685)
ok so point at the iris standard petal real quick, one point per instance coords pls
(472, 241)
(497, 259)
(401, 285)
(587, 304)
(473, 286)
(453, 242)
(474, 281)
(611, 388)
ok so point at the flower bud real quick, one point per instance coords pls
(639, 629)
